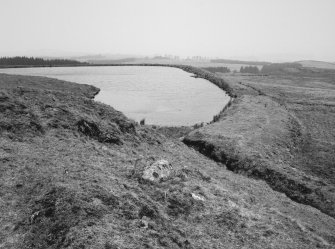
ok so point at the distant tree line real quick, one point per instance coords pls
(31, 61)
(249, 69)
(217, 69)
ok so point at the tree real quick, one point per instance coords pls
(31, 61)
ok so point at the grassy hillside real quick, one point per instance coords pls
(279, 129)
(71, 177)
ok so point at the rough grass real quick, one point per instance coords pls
(279, 129)
(63, 185)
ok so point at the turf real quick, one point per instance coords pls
(71, 178)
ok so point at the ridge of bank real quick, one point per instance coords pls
(258, 137)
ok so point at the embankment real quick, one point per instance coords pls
(259, 138)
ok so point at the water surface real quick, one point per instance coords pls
(161, 95)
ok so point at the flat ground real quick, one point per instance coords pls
(69, 179)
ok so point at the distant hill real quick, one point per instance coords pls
(282, 68)
(31, 61)
(105, 58)
(111, 61)
(217, 69)
(317, 64)
(260, 63)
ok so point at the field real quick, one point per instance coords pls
(71, 169)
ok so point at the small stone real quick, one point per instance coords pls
(197, 197)
(144, 224)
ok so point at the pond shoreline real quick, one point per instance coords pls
(197, 72)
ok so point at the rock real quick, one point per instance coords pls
(197, 197)
(144, 222)
(157, 171)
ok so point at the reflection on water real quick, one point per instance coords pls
(161, 95)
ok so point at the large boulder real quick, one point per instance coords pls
(159, 170)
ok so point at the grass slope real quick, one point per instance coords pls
(68, 180)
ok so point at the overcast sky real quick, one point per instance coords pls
(247, 29)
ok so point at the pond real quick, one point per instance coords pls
(161, 95)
